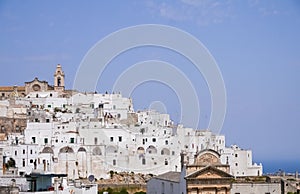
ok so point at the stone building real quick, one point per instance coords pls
(35, 85)
(208, 175)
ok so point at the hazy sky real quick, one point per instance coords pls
(256, 45)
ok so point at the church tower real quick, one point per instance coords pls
(59, 79)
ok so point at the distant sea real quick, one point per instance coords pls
(276, 166)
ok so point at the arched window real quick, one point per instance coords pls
(58, 81)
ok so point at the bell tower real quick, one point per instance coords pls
(59, 79)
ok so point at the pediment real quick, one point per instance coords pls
(209, 172)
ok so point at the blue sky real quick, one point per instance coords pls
(256, 45)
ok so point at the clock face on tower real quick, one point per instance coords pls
(36, 87)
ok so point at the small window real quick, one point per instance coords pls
(173, 153)
(114, 162)
(31, 161)
(144, 161)
(236, 164)
(111, 139)
(72, 140)
(45, 140)
(30, 151)
(47, 120)
(114, 107)
(50, 94)
(166, 162)
(16, 153)
(153, 139)
(120, 138)
(49, 105)
(33, 139)
(166, 142)
(23, 151)
(236, 155)
(23, 163)
(95, 140)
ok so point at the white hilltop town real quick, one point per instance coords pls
(48, 132)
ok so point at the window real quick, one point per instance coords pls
(172, 188)
(153, 139)
(31, 161)
(30, 151)
(114, 162)
(45, 140)
(47, 120)
(166, 142)
(72, 140)
(16, 153)
(166, 162)
(50, 94)
(23, 151)
(162, 187)
(114, 107)
(120, 138)
(236, 155)
(236, 164)
(143, 161)
(49, 105)
(23, 163)
(95, 140)
(111, 139)
(33, 139)
(173, 153)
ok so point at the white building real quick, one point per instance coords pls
(90, 134)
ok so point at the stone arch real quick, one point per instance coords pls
(207, 157)
(47, 150)
(97, 151)
(111, 149)
(151, 150)
(165, 151)
(66, 149)
(81, 149)
(141, 150)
